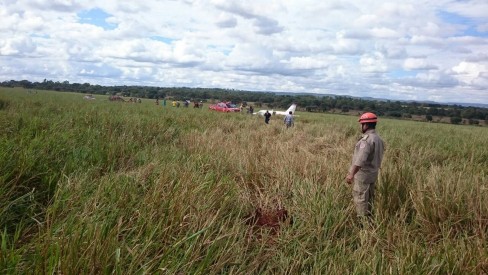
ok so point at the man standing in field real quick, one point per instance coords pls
(267, 116)
(289, 119)
(365, 166)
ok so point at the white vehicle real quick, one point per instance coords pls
(292, 108)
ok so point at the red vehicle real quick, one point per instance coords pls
(225, 107)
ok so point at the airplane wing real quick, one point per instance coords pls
(292, 108)
(262, 112)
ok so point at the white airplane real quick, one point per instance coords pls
(292, 108)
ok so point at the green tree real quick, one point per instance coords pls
(456, 120)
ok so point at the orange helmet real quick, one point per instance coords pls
(368, 117)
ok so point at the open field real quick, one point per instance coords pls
(111, 187)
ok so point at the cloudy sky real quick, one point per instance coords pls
(413, 50)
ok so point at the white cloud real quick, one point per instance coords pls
(307, 63)
(425, 81)
(344, 45)
(19, 45)
(384, 33)
(469, 8)
(373, 63)
(481, 82)
(366, 20)
(226, 21)
(57, 5)
(338, 46)
(417, 64)
(392, 50)
(470, 68)
(471, 73)
(426, 40)
(249, 57)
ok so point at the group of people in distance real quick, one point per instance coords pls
(186, 103)
(288, 119)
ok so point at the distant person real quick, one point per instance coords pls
(365, 166)
(289, 120)
(177, 104)
(251, 109)
(157, 101)
(267, 116)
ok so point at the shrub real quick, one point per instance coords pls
(4, 104)
(394, 114)
(456, 120)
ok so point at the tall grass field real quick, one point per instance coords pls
(100, 187)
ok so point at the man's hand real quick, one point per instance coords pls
(350, 176)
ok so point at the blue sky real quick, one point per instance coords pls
(96, 17)
(412, 50)
(469, 26)
(162, 39)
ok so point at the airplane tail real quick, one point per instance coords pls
(292, 108)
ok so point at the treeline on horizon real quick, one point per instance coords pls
(310, 103)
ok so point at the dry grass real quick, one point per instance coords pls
(104, 187)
